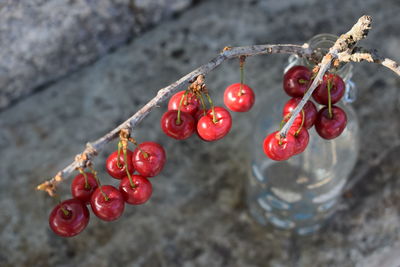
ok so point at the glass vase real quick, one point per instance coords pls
(299, 194)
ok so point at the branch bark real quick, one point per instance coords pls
(371, 55)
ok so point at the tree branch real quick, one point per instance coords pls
(92, 149)
(342, 51)
(371, 55)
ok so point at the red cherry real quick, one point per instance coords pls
(69, 218)
(296, 122)
(329, 128)
(179, 131)
(320, 94)
(200, 113)
(239, 100)
(112, 164)
(210, 131)
(149, 159)
(301, 139)
(279, 148)
(296, 81)
(79, 190)
(110, 208)
(140, 193)
(310, 111)
(190, 103)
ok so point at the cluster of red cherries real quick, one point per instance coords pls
(329, 121)
(71, 216)
(187, 112)
(185, 117)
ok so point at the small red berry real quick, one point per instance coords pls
(239, 100)
(209, 130)
(149, 159)
(310, 111)
(82, 191)
(69, 218)
(296, 81)
(330, 127)
(177, 129)
(320, 94)
(110, 206)
(116, 171)
(190, 103)
(301, 139)
(140, 193)
(279, 148)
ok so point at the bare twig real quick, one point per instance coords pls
(84, 159)
(371, 55)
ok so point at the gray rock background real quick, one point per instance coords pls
(43, 40)
(197, 215)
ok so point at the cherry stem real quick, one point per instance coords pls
(178, 119)
(330, 99)
(126, 167)
(242, 61)
(280, 139)
(87, 185)
(212, 108)
(302, 81)
(64, 210)
(302, 123)
(98, 182)
(144, 153)
(200, 95)
(118, 155)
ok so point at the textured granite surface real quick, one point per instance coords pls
(42, 40)
(197, 215)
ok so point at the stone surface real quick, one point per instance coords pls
(41, 40)
(197, 215)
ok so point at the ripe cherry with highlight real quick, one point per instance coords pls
(149, 159)
(138, 194)
(337, 90)
(108, 206)
(82, 190)
(296, 81)
(69, 218)
(190, 103)
(301, 137)
(119, 171)
(209, 130)
(330, 127)
(310, 111)
(279, 148)
(239, 97)
(178, 129)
